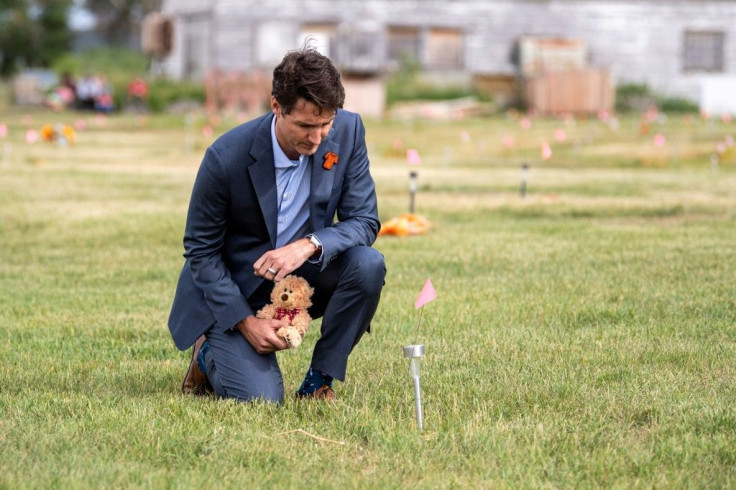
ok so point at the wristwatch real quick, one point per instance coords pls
(317, 244)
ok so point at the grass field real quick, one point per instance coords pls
(583, 336)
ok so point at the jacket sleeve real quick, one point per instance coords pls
(357, 209)
(204, 240)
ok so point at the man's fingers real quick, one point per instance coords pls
(279, 263)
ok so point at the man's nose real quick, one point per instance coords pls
(315, 136)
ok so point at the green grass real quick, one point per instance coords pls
(583, 336)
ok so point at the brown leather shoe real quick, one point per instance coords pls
(196, 382)
(324, 392)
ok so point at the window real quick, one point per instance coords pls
(703, 51)
(320, 36)
(432, 48)
(195, 38)
(444, 48)
(363, 51)
(273, 40)
(404, 44)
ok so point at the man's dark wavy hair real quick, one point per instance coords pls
(307, 74)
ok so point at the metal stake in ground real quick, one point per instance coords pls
(415, 353)
(412, 190)
(714, 159)
(524, 178)
(7, 147)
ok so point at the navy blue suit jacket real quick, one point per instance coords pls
(233, 212)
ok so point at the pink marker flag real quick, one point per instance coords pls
(3, 130)
(546, 151)
(426, 295)
(31, 136)
(412, 157)
(659, 141)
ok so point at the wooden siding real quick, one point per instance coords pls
(635, 41)
(576, 91)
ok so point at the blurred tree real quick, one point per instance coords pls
(55, 36)
(32, 33)
(119, 19)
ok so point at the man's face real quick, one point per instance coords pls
(301, 131)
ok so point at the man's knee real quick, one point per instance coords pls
(368, 265)
(263, 392)
(236, 371)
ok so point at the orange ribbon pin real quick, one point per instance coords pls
(330, 160)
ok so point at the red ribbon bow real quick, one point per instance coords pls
(282, 312)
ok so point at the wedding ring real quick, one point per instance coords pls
(273, 272)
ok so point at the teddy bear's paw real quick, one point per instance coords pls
(293, 339)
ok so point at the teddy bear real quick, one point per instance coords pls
(290, 299)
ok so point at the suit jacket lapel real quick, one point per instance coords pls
(322, 180)
(263, 176)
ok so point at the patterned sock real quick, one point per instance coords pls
(200, 357)
(314, 380)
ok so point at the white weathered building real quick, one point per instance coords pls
(675, 46)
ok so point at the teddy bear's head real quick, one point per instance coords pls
(292, 292)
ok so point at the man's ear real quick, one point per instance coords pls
(275, 107)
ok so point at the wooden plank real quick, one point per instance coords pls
(576, 91)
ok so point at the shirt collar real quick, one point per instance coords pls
(279, 157)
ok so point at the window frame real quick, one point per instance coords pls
(703, 51)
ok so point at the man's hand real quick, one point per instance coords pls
(279, 263)
(261, 334)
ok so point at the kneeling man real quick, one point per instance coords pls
(287, 193)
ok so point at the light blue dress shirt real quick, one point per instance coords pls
(293, 180)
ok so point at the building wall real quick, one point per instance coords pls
(636, 41)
